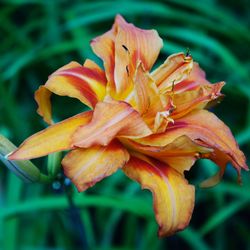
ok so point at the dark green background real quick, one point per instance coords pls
(37, 37)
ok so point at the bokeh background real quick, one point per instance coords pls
(39, 36)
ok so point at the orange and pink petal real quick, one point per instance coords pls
(198, 98)
(85, 167)
(121, 49)
(207, 130)
(87, 84)
(133, 45)
(179, 154)
(42, 97)
(196, 78)
(55, 138)
(173, 197)
(110, 119)
(104, 47)
(175, 69)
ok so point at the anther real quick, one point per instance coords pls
(127, 70)
(125, 48)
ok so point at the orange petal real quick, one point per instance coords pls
(42, 97)
(85, 167)
(54, 138)
(195, 92)
(104, 47)
(110, 119)
(121, 49)
(145, 98)
(198, 98)
(220, 160)
(207, 130)
(92, 65)
(179, 154)
(144, 90)
(73, 80)
(175, 69)
(133, 45)
(162, 118)
(173, 196)
(85, 84)
(196, 78)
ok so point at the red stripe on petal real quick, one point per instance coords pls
(173, 196)
(85, 167)
(111, 119)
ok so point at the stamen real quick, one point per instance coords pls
(127, 70)
(188, 56)
(125, 48)
(172, 89)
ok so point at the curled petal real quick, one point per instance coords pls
(73, 80)
(198, 98)
(221, 161)
(147, 99)
(196, 78)
(42, 97)
(175, 69)
(110, 119)
(179, 154)
(93, 66)
(55, 138)
(212, 181)
(207, 130)
(85, 167)
(121, 49)
(133, 45)
(104, 47)
(144, 90)
(173, 196)
(162, 118)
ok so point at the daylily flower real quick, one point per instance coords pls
(152, 124)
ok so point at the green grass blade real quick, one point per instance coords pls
(224, 214)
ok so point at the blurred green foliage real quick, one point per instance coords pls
(39, 36)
